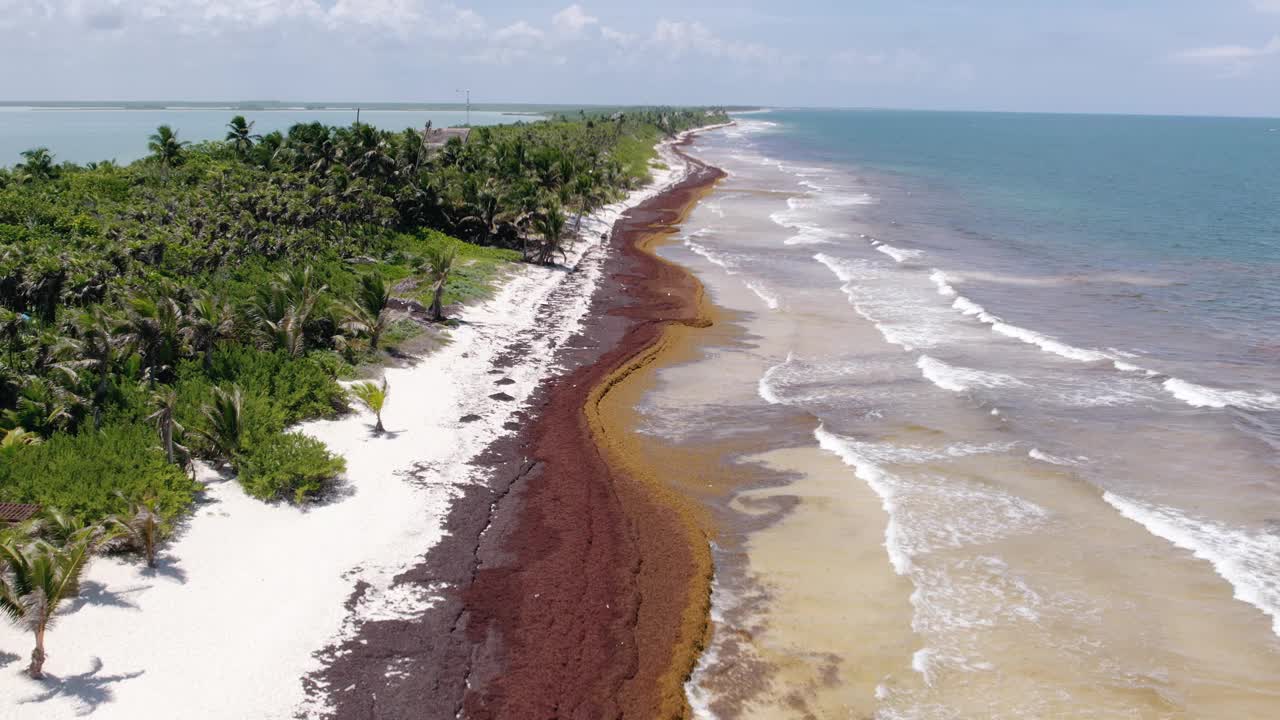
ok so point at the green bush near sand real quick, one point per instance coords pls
(81, 473)
(287, 466)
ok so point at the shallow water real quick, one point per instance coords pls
(83, 135)
(1026, 432)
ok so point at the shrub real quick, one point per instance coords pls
(81, 474)
(288, 465)
(301, 387)
(278, 390)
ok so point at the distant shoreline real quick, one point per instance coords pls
(513, 108)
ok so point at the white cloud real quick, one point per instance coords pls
(678, 39)
(1230, 53)
(212, 17)
(370, 48)
(572, 20)
(1232, 60)
(617, 37)
(519, 33)
(518, 41)
(1267, 6)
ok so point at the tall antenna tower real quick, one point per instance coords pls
(468, 92)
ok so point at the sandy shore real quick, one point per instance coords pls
(236, 620)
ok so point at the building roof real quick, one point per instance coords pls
(16, 513)
(438, 137)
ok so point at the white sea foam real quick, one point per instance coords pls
(1207, 397)
(960, 379)
(807, 230)
(1031, 337)
(770, 298)
(1123, 366)
(1042, 456)
(727, 262)
(927, 512)
(700, 699)
(943, 282)
(904, 315)
(895, 454)
(1249, 561)
(883, 484)
(920, 663)
(1048, 344)
(710, 255)
(900, 255)
(766, 384)
(1188, 392)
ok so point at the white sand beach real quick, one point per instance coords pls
(247, 593)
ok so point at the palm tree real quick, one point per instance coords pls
(57, 527)
(587, 191)
(550, 225)
(153, 328)
(100, 344)
(281, 310)
(368, 314)
(44, 406)
(164, 406)
(240, 135)
(208, 320)
(39, 576)
(366, 154)
(439, 265)
(224, 419)
(18, 437)
(268, 149)
(373, 397)
(165, 146)
(12, 326)
(141, 528)
(486, 198)
(38, 165)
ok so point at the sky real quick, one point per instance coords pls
(1203, 57)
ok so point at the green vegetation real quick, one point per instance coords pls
(82, 472)
(288, 465)
(197, 303)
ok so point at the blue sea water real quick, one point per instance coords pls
(1186, 209)
(82, 135)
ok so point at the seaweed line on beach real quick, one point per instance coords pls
(560, 565)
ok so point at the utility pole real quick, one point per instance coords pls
(468, 92)
(357, 117)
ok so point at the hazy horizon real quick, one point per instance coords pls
(275, 105)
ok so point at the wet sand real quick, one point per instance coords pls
(573, 583)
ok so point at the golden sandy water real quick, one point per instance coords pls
(824, 627)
